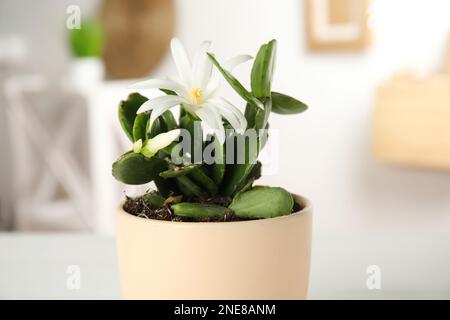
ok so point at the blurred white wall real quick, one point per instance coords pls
(42, 24)
(325, 153)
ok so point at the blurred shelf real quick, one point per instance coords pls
(411, 122)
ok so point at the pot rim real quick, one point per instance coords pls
(307, 208)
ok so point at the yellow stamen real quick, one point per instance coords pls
(196, 95)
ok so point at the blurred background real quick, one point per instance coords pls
(372, 152)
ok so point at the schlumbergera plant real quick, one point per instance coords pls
(205, 164)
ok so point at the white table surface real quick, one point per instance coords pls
(33, 266)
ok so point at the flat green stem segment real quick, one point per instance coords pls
(187, 121)
(140, 126)
(189, 188)
(153, 199)
(262, 70)
(174, 171)
(134, 168)
(218, 168)
(169, 120)
(128, 110)
(284, 104)
(162, 124)
(236, 175)
(166, 187)
(199, 210)
(204, 180)
(262, 203)
(254, 174)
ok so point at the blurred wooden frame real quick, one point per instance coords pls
(337, 24)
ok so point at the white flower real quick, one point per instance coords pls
(196, 90)
(153, 145)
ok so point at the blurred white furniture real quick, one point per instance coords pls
(411, 122)
(13, 52)
(63, 149)
(107, 143)
(48, 139)
(412, 266)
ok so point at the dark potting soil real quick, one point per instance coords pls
(138, 207)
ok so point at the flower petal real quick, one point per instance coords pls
(232, 114)
(181, 60)
(161, 101)
(183, 92)
(162, 140)
(156, 112)
(225, 114)
(212, 86)
(235, 61)
(228, 65)
(158, 84)
(211, 118)
(202, 66)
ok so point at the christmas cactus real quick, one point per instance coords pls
(204, 164)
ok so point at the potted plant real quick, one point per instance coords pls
(207, 232)
(86, 45)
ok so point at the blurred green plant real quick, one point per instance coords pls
(88, 41)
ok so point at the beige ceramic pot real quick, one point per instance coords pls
(258, 259)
